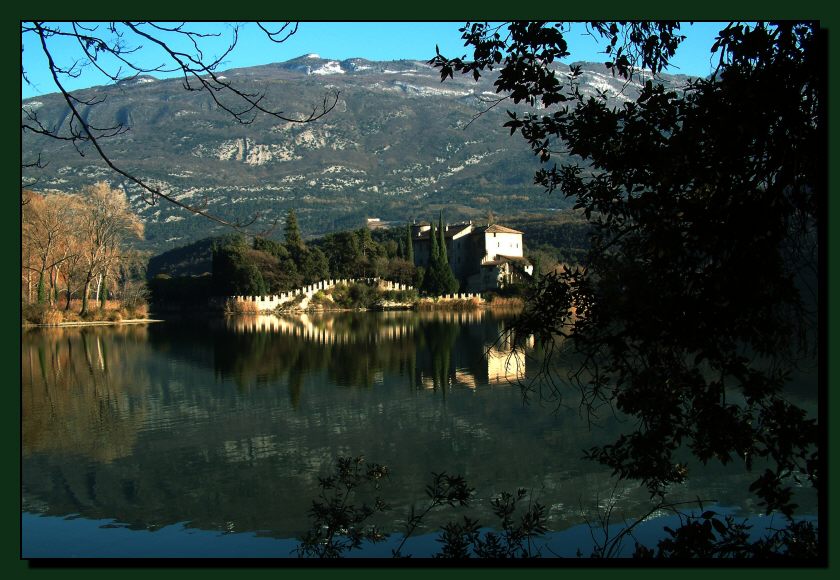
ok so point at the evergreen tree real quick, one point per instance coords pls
(419, 277)
(250, 281)
(430, 279)
(343, 253)
(276, 249)
(294, 241)
(438, 278)
(442, 232)
(409, 255)
(435, 251)
(282, 274)
(314, 266)
(365, 265)
(234, 269)
(447, 282)
(366, 243)
(446, 279)
(537, 261)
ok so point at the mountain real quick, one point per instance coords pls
(399, 145)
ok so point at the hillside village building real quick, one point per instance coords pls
(481, 257)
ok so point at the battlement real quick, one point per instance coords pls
(305, 293)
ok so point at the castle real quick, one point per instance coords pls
(481, 257)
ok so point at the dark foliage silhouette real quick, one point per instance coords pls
(697, 298)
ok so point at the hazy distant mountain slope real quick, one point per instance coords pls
(395, 147)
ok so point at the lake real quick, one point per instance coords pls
(203, 438)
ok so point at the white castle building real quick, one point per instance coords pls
(481, 257)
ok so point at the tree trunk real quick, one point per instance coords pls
(103, 289)
(85, 291)
(54, 286)
(98, 286)
(40, 294)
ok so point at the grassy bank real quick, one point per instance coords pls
(112, 312)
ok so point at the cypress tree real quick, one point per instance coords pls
(430, 279)
(446, 279)
(537, 269)
(447, 283)
(409, 255)
(439, 278)
(435, 251)
(442, 232)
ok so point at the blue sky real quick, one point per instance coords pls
(341, 40)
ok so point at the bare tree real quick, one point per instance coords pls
(45, 227)
(114, 49)
(130, 284)
(106, 222)
(73, 267)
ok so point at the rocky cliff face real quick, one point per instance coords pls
(398, 145)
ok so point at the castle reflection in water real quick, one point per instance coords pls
(500, 361)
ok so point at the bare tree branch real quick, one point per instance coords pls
(86, 133)
(99, 44)
(493, 103)
(273, 36)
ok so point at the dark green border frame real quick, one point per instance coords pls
(429, 10)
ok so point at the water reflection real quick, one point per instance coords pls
(228, 423)
(416, 345)
(82, 391)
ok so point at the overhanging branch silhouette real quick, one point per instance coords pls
(103, 45)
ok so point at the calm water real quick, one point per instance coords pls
(207, 438)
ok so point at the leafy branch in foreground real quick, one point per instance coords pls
(709, 536)
(514, 540)
(339, 526)
(445, 489)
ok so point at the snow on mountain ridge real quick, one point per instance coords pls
(332, 67)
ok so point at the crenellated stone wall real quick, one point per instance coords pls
(270, 302)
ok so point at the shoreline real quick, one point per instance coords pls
(92, 323)
(424, 306)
